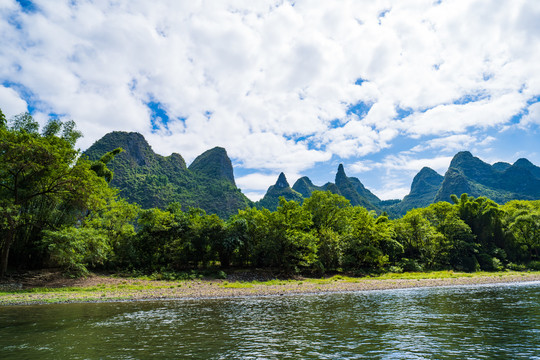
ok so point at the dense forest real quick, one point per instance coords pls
(57, 208)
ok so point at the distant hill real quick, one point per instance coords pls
(349, 187)
(424, 189)
(500, 182)
(152, 180)
(353, 190)
(270, 200)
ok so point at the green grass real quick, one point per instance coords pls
(236, 285)
(93, 289)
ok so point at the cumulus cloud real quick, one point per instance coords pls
(533, 115)
(274, 81)
(454, 143)
(12, 104)
(255, 185)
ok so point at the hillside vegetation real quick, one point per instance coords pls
(62, 209)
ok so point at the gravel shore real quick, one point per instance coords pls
(105, 289)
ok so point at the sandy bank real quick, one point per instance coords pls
(101, 288)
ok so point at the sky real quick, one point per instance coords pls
(295, 86)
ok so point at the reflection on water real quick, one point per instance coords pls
(480, 322)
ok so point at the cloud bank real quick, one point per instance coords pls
(282, 85)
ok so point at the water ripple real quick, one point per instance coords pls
(482, 322)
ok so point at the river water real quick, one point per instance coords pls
(465, 322)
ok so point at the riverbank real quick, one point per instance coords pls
(100, 288)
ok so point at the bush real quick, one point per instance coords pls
(395, 269)
(469, 264)
(76, 248)
(516, 267)
(534, 265)
(489, 263)
(410, 265)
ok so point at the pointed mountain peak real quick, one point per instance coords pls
(526, 164)
(135, 146)
(523, 163)
(305, 186)
(340, 176)
(427, 171)
(426, 178)
(461, 157)
(464, 155)
(281, 182)
(474, 169)
(304, 180)
(214, 163)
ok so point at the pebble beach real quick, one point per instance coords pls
(98, 288)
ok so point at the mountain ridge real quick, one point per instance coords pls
(153, 180)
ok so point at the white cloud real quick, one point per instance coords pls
(268, 80)
(533, 115)
(405, 162)
(254, 196)
(454, 143)
(256, 184)
(11, 103)
(391, 192)
(457, 118)
(257, 181)
(361, 166)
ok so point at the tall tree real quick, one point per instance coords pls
(42, 183)
(3, 121)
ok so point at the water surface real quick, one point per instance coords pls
(466, 322)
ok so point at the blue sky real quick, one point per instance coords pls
(384, 87)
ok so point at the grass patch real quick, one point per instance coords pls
(236, 285)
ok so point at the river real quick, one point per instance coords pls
(461, 322)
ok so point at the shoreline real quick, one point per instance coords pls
(101, 289)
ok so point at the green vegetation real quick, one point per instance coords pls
(424, 188)
(58, 209)
(151, 180)
(500, 183)
(43, 187)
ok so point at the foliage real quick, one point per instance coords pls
(76, 248)
(151, 180)
(57, 208)
(43, 186)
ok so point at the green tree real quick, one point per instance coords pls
(484, 217)
(207, 234)
(330, 218)
(75, 248)
(457, 248)
(522, 220)
(24, 123)
(100, 166)
(161, 241)
(328, 210)
(287, 240)
(420, 239)
(365, 239)
(42, 185)
(3, 121)
(116, 220)
(252, 228)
